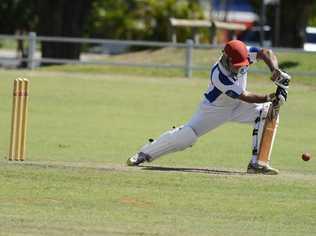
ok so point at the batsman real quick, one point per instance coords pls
(228, 100)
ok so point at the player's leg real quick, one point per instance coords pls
(204, 120)
(208, 118)
(171, 141)
(256, 114)
(255, 166)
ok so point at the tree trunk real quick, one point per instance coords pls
(62, 18)
(294, 18)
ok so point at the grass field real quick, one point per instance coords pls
(293, 62)
(82, 128)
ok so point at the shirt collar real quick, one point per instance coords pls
(223, 70)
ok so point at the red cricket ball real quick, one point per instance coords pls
(306, 156)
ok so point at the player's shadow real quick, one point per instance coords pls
(288, 64)
(193, 170)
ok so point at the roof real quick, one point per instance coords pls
(190, 23)
(206, 23)
(229, 26)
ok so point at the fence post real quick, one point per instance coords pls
(188, 59)
(31, 50)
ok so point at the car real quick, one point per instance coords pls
(310, 39)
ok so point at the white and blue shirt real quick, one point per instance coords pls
(223, 89)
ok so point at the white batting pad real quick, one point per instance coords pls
(258, 132)
(171, 141)
(263, 118)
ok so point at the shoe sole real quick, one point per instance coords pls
(270, 172)
(129, 163)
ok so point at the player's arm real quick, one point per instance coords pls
(231, 89)
(277, 98)
(250, 97)
(279, 77)
(270, 59)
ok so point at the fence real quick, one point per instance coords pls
(187, 66)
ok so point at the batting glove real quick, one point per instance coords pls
(278, 98)
(281, 78)
(281, 95)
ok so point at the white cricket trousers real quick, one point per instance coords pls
(208, 116)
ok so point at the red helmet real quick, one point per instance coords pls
(237, 52)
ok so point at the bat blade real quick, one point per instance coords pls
(267, 140)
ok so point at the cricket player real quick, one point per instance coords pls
(226, 100)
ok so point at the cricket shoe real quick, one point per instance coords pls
(137, 159)
(261, 169)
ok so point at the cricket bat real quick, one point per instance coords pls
(268, 135)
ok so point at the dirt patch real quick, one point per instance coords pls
(136, 202)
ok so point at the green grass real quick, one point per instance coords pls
(89, 120)
(89, 202)
(294, 63)
(8, 44)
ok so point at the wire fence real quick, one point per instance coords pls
(33, 58)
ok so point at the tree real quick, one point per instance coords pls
(156, 14)
(134, 19)
(17, 15)
(312, 19)
(47, 18)
(113, 19)
(62, 18)
(294, 19)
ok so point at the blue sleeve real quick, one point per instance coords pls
(253, 51)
